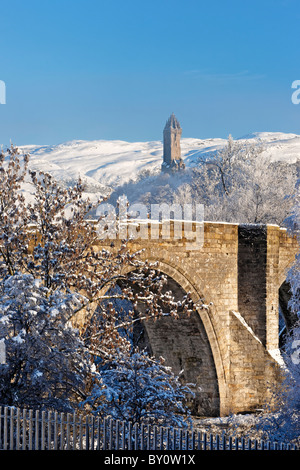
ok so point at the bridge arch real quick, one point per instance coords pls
(183, 341)
(240, 268)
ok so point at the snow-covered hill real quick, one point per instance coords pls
(104, 164)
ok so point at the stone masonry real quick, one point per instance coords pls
(172, 150)
(229, 347)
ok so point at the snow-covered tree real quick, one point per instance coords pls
(53, 239)
(139, 388)
(46, 362)
(241, 183)
(67, 253)
(61, 236)
(13, 212)
(51, 253)
(50, 364)
(293, 277)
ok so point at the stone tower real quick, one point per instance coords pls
(172, 151)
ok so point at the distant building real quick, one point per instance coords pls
(172, 151)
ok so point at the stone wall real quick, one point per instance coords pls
(253, 369)
(228, 347)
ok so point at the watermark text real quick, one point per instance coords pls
(296, 93)
(2, 92)
(159, 221)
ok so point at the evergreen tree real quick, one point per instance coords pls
(138, 388)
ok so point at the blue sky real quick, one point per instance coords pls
(117, 69)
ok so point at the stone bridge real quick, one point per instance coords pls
(228, 348)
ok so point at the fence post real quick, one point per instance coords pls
(11, 442)
(205, 441)
(18, 430)
(74, 430)
(99, 433)
(36, 429)
(186, 434)
(68, 431)
(168, 442)
(80, 433)
(61, 431)
(5, 429)
(194, 440)
(211, 442)
(110, 441)
(104, 434)
(49, 428)
(117, 435)
(24, 430)
(87, 437)
(123, 435)
(92, 426)
(43, 431)
(155, 438)
(30, 431)
(161, 437)
(130, 435)
(136, 436)
(55, 430)
(142, 436)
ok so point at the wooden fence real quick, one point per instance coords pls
(47, 430)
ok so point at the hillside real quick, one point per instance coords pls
(108, 164)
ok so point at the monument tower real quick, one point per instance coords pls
(172, 151)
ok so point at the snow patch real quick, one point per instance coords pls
(276, 354)
(103, 165)
(245, 324)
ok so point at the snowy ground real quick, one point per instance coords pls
(112, 163)
(218, 424)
